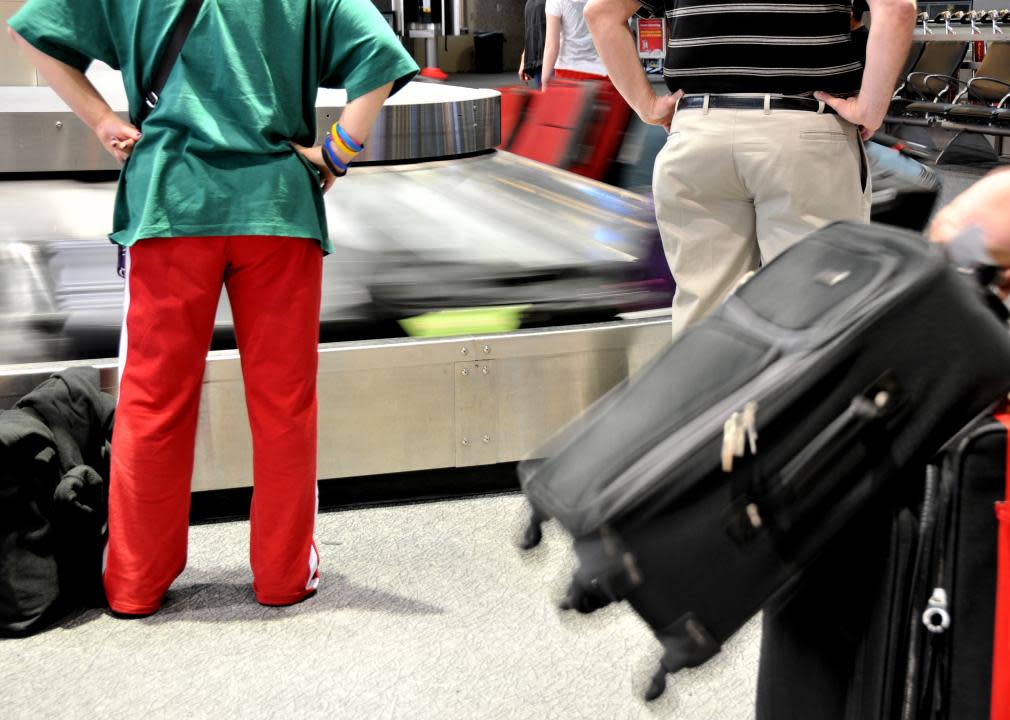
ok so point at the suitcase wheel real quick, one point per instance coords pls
(657, 685)
(584, 599)
(534, 530)
(687, 643)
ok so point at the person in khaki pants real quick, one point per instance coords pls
(768, 108)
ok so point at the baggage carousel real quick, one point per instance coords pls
(432, 187)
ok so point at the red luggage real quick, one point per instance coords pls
(575, 125)
(604, 134)
(1000, 709)
(555, 122)
(515, 100)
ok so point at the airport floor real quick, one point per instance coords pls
(424, 612)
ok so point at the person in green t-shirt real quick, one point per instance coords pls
(221, 185)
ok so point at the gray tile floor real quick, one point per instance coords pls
(425, 612)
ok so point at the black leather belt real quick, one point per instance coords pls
(735, 102)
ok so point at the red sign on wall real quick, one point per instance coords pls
(650, 37)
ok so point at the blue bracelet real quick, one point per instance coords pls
(337, 167)
(348, 140)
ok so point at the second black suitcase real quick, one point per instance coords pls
(953, 671)
(704, 487)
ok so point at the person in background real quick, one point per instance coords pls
(860, 33)
(757, 158)
(569, 51)
(221, 186)
(531, 62)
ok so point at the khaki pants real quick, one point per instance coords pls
(734, 188)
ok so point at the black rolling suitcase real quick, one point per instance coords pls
(899, 618)
(959, 657)
(851, 356)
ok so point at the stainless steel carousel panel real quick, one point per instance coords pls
(38, 133)
(404, 404)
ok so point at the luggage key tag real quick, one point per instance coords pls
(967, 252)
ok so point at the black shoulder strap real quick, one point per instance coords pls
(175, 43)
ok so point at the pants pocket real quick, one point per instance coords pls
(864, 167)
(824, 136)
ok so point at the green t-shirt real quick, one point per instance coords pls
(215, 158)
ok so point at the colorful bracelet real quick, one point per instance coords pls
(333, 162)
(352, 145)
(339, 139)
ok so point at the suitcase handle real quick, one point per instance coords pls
(533, 533)
(805, 481)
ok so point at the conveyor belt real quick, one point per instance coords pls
(63, 300)
(386, 405)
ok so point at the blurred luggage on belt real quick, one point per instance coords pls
(904, 190)
(699, 491)
(575, 125)
(433, 297)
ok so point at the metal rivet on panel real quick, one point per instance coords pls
(466, 371)
(464, 351)
(59, 124)
(466, 441)
(487, 349)
(486, 438)
(484, 370)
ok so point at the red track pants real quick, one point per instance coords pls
(173, 287)
(563, 74)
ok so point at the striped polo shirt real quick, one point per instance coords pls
(791, 47)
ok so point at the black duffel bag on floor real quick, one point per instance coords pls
(701, 489)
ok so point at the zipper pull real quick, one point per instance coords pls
(935, 617)
(739, 436)
(750, 425)
(729, 435)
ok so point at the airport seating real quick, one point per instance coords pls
(934, 73)
(980, 107)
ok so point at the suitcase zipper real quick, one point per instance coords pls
(935, 617)
(739, 432)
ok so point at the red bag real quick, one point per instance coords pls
(1001, 638)
(515, 100)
